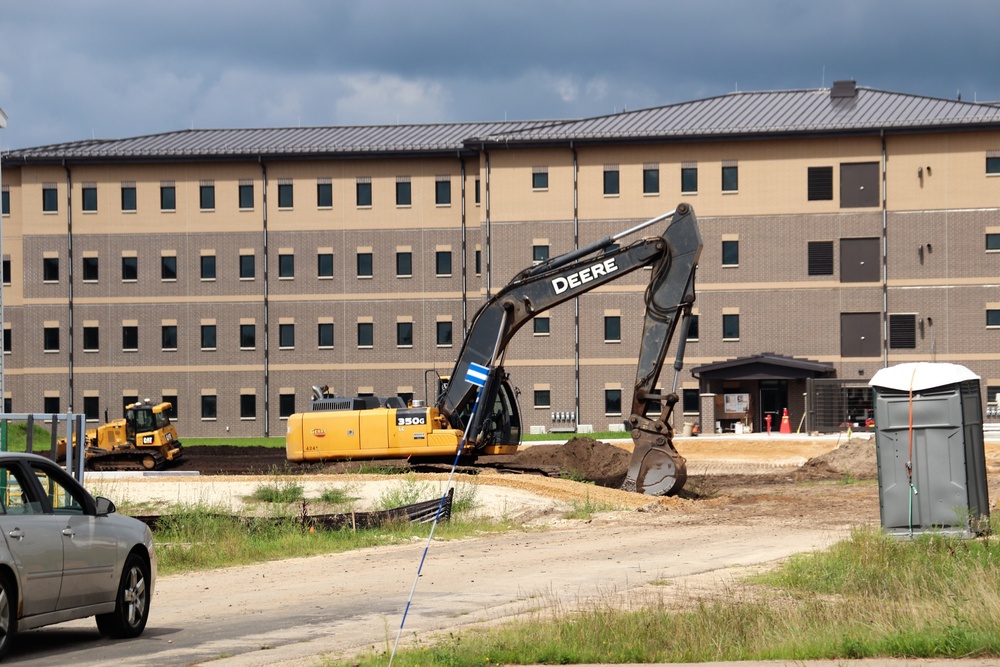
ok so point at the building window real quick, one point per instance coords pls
(128, 197)
(365, 334)
(730, 327)
(286, 336)
(403, 195)
(50, 200)
(7, 341)
(248, 268)
(543, 398)
(172, 410)
(286, 266)
(902, 331)
(90, 269)
(5, 201)
(541, 326)
(208, 336)
(209, 406)
(6, 272)
(50, 339)
(442, 191)
(611, 184)
(443, 334)
(92, 408)
(993, 165)
(325, 335)
(50, 405)
(612, 401)
(478, 262)
(246, 196)
(612, 329)
(285, 198)
(691, 401)
(168, 268)
(206, 197)
(248, 406)
(651, 180)
(364, 192)
(689, 180)
(992, 241)
(286, 405)
(168, 198)
(91, 339)
(208, 267)
(993, 318)
(442, 263)
(130, 269)
(168, 337)
(730, 178)
(50, 269)
(820, 183)
(404, 264)
(130, 338)
(404, 334)
(248, 336)
(540, 178)
(820, 258)
(693, 332)
(539, 253)
(364, 261)
(324, 265)
(730, 253)
(324, 194)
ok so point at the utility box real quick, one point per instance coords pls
(929, 447)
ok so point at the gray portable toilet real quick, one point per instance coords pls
(929, 447)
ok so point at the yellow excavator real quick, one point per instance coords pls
(144, 439)
(487, 421)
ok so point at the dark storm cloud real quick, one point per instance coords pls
(71, 70)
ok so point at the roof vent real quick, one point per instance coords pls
(845, 88)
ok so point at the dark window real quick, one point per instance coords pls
(248, 406)
(993, 165)
(404, 264)
(92, 408)
(50, 200)
(172, 410)
(730, 179)
(130, 338)
(993, 318)
(477, 190)
(442, 192)
(612, 329)
(50, 269)
(286, 335)
(730, 253)
(208, 336)
(325, 334)
(129, 400)
(286, 266)
(50, 405)
(364, 193)
(611, 185)
(208, 267)
(443, 334)
(993, 241)
(130, 269)
(542, 326)
(50, 339)
(689, 179)
(324, 265)
(859, 184)
(991, 394)
(248, 336)
(403, 197)
(612, 401)
(365, 334)
(859, 335)
(206, 197)
(693, 333)
(903, 332)
(246, 195)
(442, 263)
(860, 260)
(691, 401)
(128, 198)
(478, 262)
(324, 195)
(820, 183)
(6, 272)
(5, 202)
(364, 260)
(404, 334)
(539, 253)
(168, 198)
(285, 198)
(542, 398)
(7, 341)
(540, 180)
(650, 181)
(209, 407)
(168, 268)
(91, 339)
(730, 327)
(248, 268)
(820, 258)
(286, 405)
(168, 337)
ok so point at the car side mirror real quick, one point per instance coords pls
(104, 506)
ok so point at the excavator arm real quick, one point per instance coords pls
(656, 467)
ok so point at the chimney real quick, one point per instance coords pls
(844, 88)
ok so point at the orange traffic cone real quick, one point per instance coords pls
(786, 425)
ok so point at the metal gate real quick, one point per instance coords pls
(833, 404)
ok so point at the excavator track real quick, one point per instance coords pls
(135, 459)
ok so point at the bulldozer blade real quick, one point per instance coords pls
(655, 471)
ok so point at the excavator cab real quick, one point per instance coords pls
(498, 419)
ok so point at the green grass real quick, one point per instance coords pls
(586, 508)
(278, 491)
(17, 437)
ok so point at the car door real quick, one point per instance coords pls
(34, 540)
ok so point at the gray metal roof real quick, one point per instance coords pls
(731, 116)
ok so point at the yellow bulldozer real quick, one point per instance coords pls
(144, 439)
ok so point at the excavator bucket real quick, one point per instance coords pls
(656, 470)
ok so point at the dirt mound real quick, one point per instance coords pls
(855, 457)
(583, 459)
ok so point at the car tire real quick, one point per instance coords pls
(8, 613)
(131, 602)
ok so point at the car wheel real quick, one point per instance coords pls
(131, 602)
(8, 613)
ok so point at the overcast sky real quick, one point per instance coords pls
(75, 69)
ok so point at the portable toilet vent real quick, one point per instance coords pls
(929, 447)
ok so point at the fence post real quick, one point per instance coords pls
(29, 434)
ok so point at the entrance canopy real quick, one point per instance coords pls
(766, 366)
